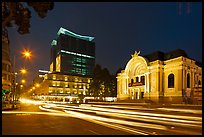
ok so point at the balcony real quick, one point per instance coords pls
(134, 84)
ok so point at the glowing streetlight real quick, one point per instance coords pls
(23, 71)
(33, 88)
(23, 81)
(37, 85)
(26, 54)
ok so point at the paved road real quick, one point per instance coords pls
(43, 124)
(102, 119)
(33, 124)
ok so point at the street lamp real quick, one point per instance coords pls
(23, 71)
(23, 81)
(37, 85)
(27, 55)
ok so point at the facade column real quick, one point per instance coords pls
(138, 94)
(148, 88)
(192, 80)
(126, 80)
(184, 75)
(124, 85)
(145, 83)
(132, 94)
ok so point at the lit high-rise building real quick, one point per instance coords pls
(72, 54)
(71, 64)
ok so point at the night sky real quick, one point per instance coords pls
(119, 29)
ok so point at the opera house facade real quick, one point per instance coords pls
(161, 77)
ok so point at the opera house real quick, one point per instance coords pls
(161, 77)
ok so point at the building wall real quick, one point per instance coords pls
(6, 62)
(72, 54)
(58, 84)
(173, 66)
(156, 80)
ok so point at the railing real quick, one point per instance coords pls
(135, 84)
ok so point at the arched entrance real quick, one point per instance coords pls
(133, 82)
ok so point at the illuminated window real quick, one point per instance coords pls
(143, 80)
(132, 80)
(76, 54)
(199, 82)
(65, 79)
(137, 79)
(188, 80)
(171, 81)
(51, 67)
(54, 42)
(58, 63)
(54, 77)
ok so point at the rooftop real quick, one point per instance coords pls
(158, 55)
(72, 34)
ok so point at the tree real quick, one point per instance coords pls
(19, 14)
(103, 84)
(96, 81)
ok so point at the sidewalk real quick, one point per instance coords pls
(9, 106)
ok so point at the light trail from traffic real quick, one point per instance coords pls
(127, 118)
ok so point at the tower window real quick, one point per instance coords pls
(199, 82)
(171, 81)
(143, 80)
(137, 79)
(132, 81)
(188, 80)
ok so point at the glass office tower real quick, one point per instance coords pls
(72, 54)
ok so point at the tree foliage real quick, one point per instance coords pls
(103, 83)
(19, 14)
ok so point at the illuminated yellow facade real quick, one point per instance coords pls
(160, 80)
(58, 63)
(65, 85)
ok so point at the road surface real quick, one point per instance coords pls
(100, 119)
